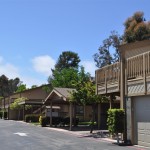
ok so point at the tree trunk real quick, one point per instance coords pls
(117, 138)
(74, 115)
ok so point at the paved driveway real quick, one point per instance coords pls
(21, 136)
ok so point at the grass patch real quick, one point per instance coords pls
(35, 123)
(86, 123)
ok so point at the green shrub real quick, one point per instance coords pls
(43, 121)
(32, 118)
(5, 114)
(1, 114)
(56, 121)
(66, 121)
(115, 120)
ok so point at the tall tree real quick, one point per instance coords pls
(8, 86)
(21, 87)
(13, 85)
(16, 105)
(4, 86)
(84, 95)
(68, 77)
(104, 57)
(136, 28)
(64, 78)
(67, 59)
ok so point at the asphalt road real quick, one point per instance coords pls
(21, 136)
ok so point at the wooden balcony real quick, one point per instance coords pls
(108, 78)
(137, 76)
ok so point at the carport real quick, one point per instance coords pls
(59, 97)
(38, 102)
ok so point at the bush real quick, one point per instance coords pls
(1, 114)
(5, 114)
(66, 121)
(43, 121)
(115, 120)
(32, 118)
(56, 121)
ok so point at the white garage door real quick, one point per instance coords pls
(142, 120)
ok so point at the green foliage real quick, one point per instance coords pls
(67, 60)
(136, 28)
(34, 86)
(4, 86)
(87, 123)
(32, 118)
(5, 114)
(16, 106)
(21, 87)
(115, 120)
(68, 78)
(8, 86)
(47, 88)
(43, 121)
(1, 114)
(85, 94)
(64, 78)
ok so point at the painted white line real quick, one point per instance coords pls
(21, 134)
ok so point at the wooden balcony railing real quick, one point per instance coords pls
(138, 66)
(107, 78)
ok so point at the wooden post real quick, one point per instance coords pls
(70, 116)
(122, 92)
(122, 82)
(99, 115)
(144, 75)
(84, 109)
(24, 112)
(110, 102)
(126, 83)
(51, 114)
(106, 81)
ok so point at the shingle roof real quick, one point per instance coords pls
(64, 93)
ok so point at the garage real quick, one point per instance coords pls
(142, 120)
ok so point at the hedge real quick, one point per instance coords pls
(32, 118)
(115, 120)
(56, 121)
(5, 114)
(1, 114)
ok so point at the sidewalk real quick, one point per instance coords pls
(102, 135)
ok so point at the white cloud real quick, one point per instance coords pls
(12, 72)
(43, 64)
(89, 66)
(8, 69)
(29, 81)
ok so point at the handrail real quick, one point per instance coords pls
(108, 73)
(138, 66)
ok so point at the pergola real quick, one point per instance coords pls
(30, 102)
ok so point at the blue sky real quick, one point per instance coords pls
(33, 33)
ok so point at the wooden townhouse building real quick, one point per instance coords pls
(130, 79)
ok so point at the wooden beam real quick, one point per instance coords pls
(99, 115)
(51, 104)
(70, 117)
(144, 74)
